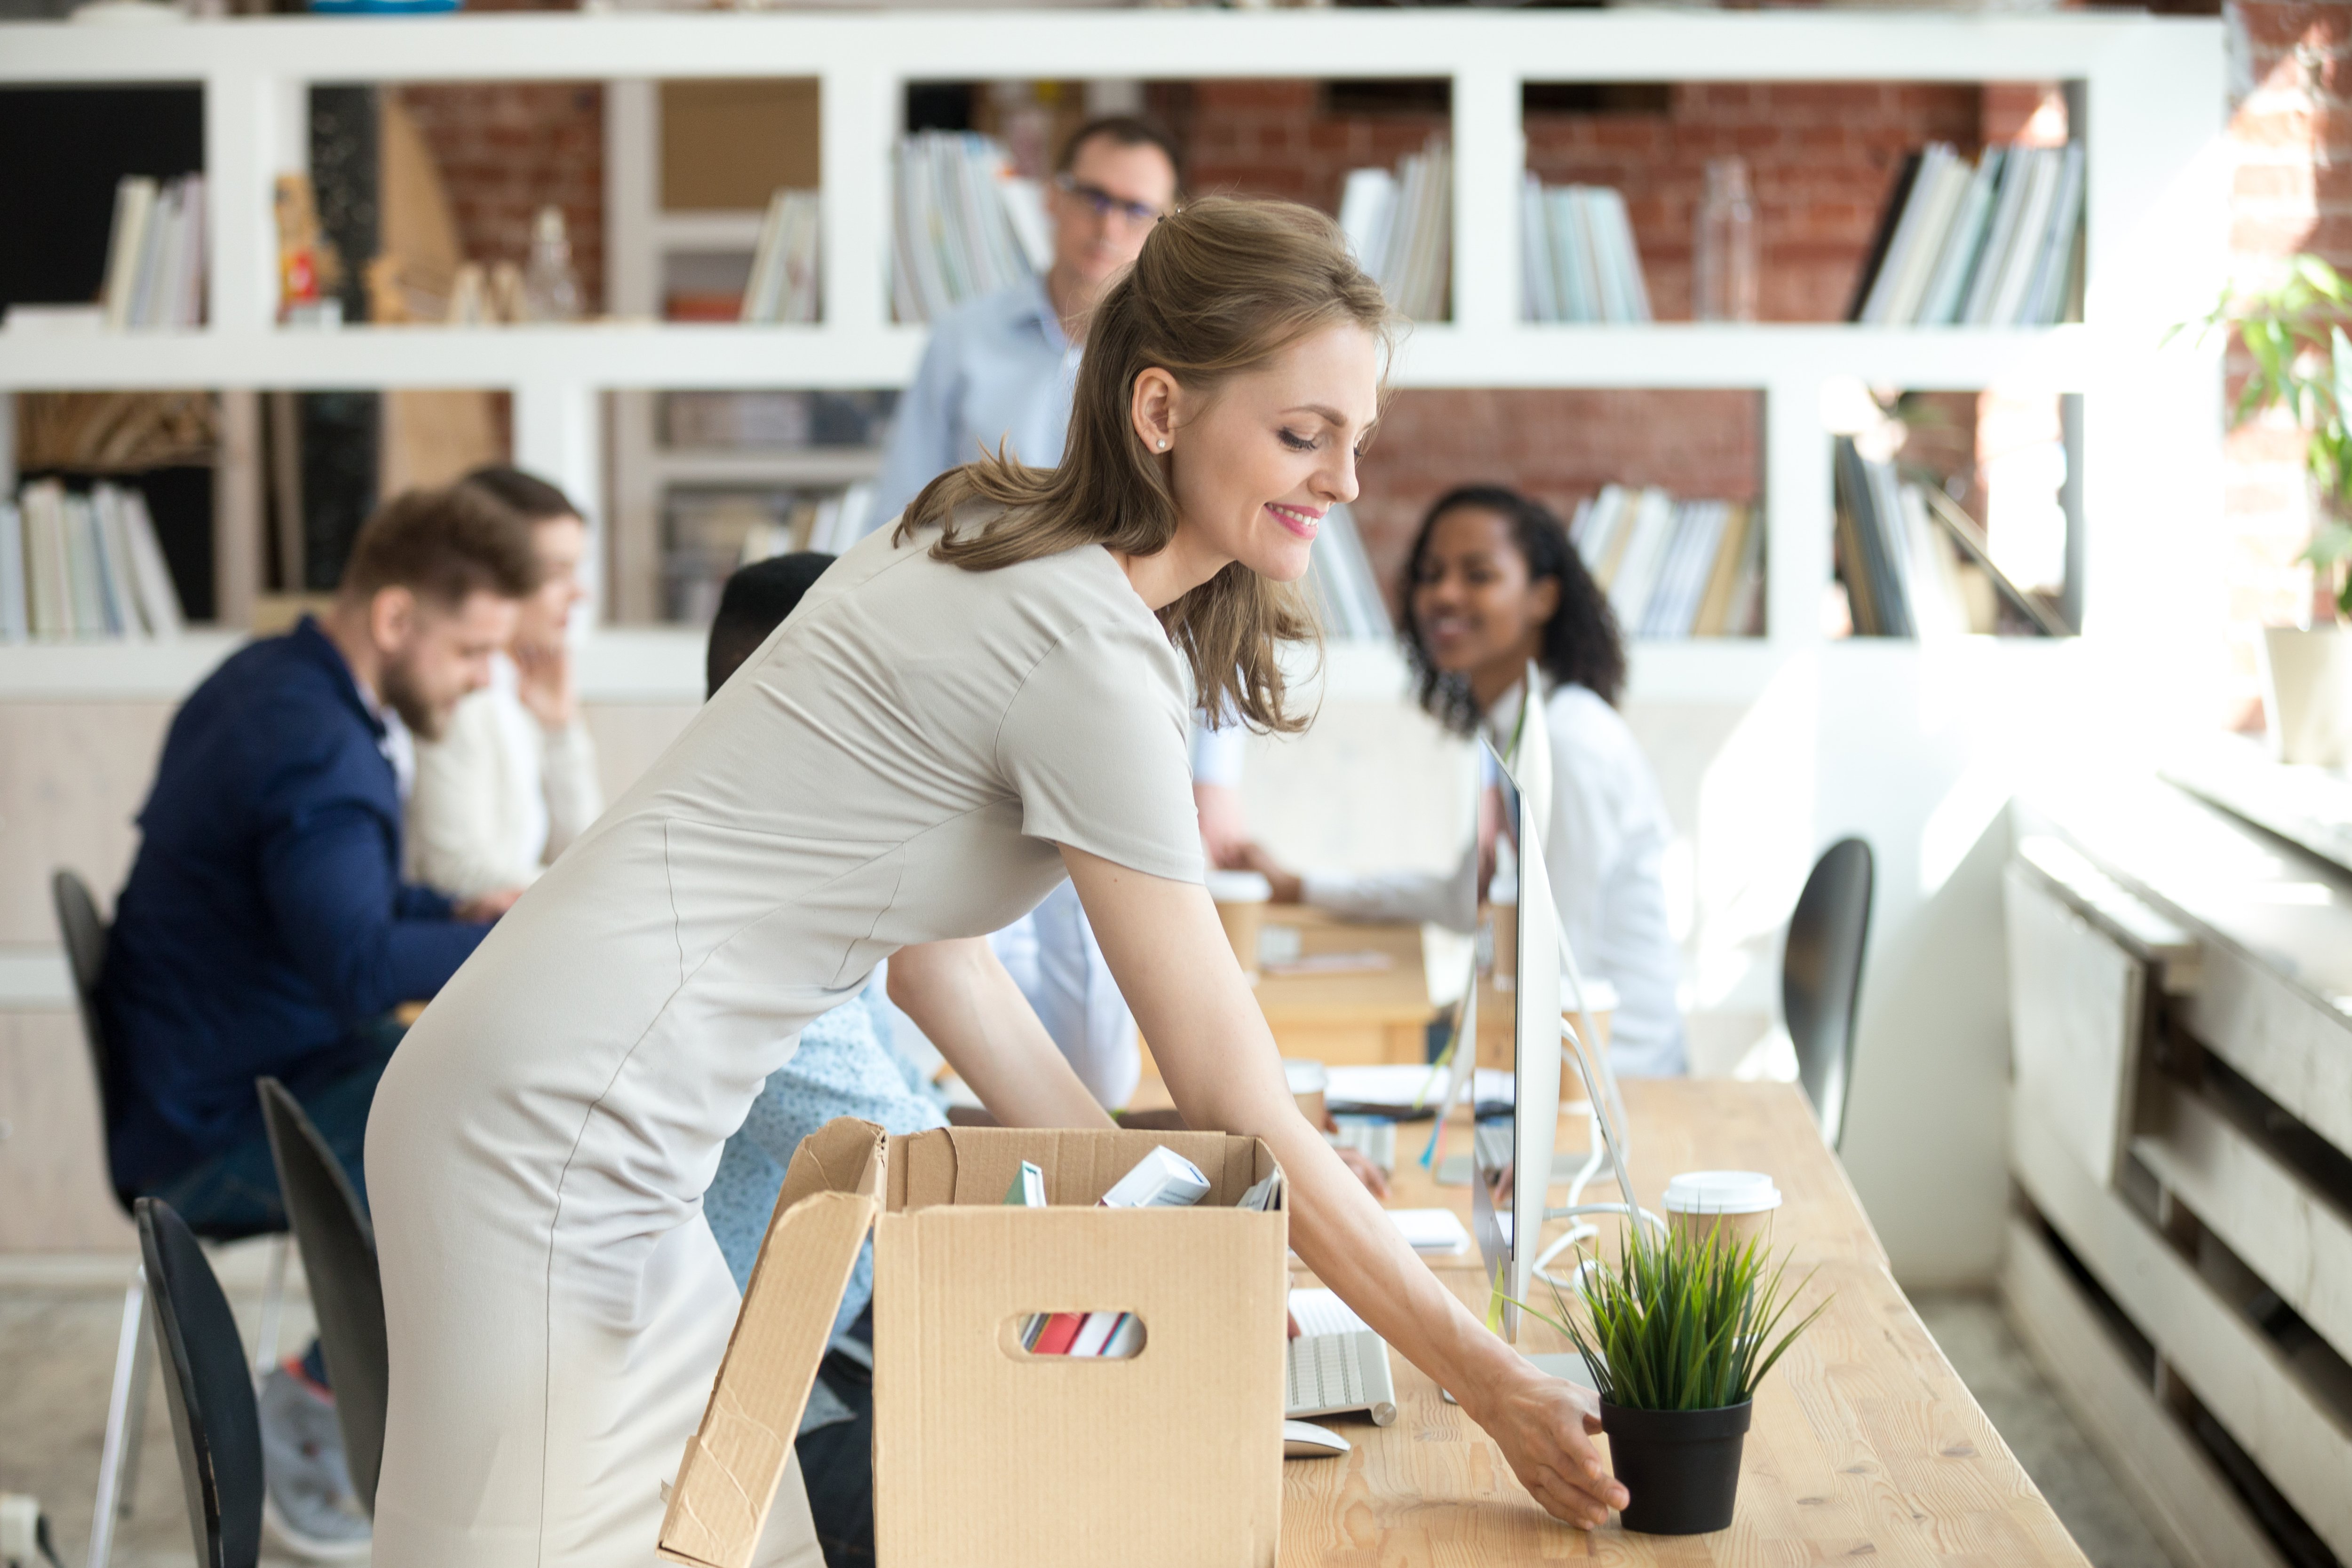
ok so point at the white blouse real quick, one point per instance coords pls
(498, 796)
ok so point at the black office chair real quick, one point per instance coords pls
(84, 934)
(339, 1260)
(216, 1421)
(1821, 977)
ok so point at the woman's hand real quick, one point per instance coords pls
(1544, 1426)
(1288, 886)
(544, 682)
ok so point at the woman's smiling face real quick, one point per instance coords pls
(1256, 464)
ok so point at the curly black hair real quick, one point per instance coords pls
(1580, 642)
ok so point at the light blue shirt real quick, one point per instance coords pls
(842, 1069)
(998, 368)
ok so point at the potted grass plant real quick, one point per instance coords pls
(1678, 1331)
(2301, 361)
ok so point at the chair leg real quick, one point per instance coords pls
(126, 1407)
(273, 1303)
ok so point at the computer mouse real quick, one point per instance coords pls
(1304, 1440)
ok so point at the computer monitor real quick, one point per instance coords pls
(1507, 1237)
(1529, 990)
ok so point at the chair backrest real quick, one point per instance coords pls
(83, 933)
(215, 1425)
(346, 1290)
(1821, 977)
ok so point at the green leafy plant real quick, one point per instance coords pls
(2294, 333)
(1682, 1323)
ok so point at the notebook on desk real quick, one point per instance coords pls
(1337, 1365)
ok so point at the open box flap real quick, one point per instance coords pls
(728, 1480)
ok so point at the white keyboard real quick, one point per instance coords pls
(1336, 1363)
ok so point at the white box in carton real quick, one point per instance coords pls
(985, 1456)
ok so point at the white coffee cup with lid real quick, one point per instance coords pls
(1736, 1205)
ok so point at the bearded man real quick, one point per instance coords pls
(265, 929)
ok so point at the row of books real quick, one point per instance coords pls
(155, 253)
(1400, 226)
(1993, 243)
(784, 264)
(1674, 569)
(1915, 565)
(964, 224)
(1580, 263)
(708, 533)
(83, 565)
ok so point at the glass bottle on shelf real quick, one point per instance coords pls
(1724, 264)
(550, 289)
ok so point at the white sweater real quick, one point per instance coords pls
(498, 796)
(1605, 845)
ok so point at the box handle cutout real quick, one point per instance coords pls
(1072, 1336)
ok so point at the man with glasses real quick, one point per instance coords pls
(1000, 368)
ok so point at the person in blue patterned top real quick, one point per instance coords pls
(843, 1067)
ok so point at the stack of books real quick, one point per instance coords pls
(82, 567)
(784, 265)
(155, 255)
(965, 226)
(1579, 262)
(1993, 243)
(1400, 226)
(1674, 569)
(1915, 565)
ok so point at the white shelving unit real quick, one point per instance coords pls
(2153, 88)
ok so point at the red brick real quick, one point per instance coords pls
(2274, 26)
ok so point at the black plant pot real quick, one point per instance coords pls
(1680, 1467)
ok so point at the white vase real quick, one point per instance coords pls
(2307, 694)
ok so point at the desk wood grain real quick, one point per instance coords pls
(1866, 1445)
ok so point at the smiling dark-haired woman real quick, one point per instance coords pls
(1492, 583)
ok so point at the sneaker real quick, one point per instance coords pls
(308, 1502)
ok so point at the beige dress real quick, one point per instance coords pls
(895, 766)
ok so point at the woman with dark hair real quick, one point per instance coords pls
(1492, 583)
(968, 708)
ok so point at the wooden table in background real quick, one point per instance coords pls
(1365, 1016)
(1866, 1444)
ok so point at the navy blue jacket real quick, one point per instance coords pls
(265, 920)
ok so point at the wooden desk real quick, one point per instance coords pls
(1865, 1443)
(1368, 1016)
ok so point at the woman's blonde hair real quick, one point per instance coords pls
(1220, 289)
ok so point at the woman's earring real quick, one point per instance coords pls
(1164, 443)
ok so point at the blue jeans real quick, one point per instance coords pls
(238, 1186)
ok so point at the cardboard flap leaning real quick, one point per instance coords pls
(728, 1480)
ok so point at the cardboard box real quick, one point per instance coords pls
(983, 1454)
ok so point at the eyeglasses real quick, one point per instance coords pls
(1102, 203)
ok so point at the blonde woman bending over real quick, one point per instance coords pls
(965, 709)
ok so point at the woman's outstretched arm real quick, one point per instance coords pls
(1212, 1046)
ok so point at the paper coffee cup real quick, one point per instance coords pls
(1241, 898)
(1739, 1206)
(1308, 1081)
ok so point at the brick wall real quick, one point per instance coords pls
(2291, 143)
(506, 149)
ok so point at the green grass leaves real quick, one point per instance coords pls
(1682, 1323)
